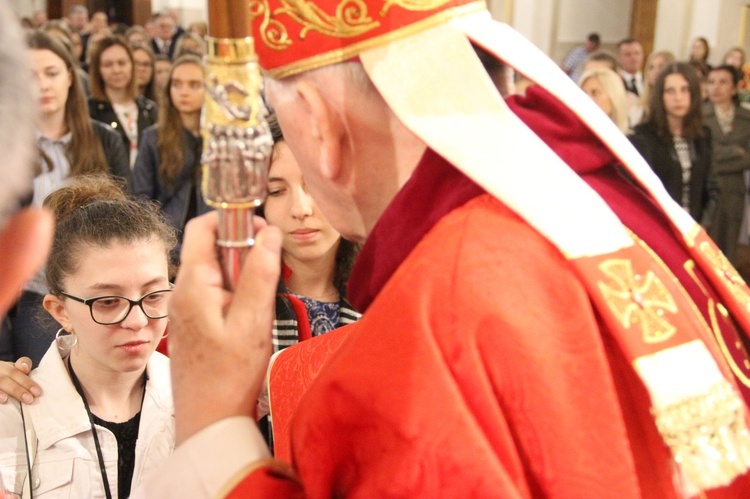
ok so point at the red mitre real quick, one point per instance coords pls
(292, 36)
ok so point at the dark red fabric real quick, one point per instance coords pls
(437, 186)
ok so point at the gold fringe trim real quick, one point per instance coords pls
(708, 437)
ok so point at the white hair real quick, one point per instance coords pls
(17, 108)
(348, 73)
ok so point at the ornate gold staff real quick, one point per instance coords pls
(237, 143)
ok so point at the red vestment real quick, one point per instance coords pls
(480, 367)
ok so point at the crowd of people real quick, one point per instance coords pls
(687, 121)
(557, 346)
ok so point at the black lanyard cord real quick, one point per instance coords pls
(99, 455)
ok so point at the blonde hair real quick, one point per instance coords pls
(615, 90)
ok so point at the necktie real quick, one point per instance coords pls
(632, 87)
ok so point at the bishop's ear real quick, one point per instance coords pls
(326, 128)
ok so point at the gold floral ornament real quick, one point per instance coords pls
(413, 5)
(721, 266)
(272, 32)
(350, 19)
(636, 300)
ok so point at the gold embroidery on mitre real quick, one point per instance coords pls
(640, 301)
(273, 34)
(721, 266)
(708, 437)
(350, 19)
(413, 5)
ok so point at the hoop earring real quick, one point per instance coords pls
(166, 332)
(65, 341)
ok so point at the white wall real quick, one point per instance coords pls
(25, 8)
(190, 10)
(679, 22)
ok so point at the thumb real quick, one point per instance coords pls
(24, 365)
(256, 290)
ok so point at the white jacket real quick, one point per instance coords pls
(63, 455)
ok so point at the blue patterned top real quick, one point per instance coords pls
(323, 315)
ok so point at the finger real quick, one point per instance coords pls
(199, 242)
(24, 243)
(15, 387)
(24, 365)
(256, 289)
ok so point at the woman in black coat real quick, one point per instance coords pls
(114, 93)
(675, 143)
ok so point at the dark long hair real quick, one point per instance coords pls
(692, 124)
(85, 152)
(170, 137)
(95, 74)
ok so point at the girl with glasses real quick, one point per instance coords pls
(105, 419)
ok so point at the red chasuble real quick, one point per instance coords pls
(480, 367)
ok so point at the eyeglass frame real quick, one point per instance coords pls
(89, 302)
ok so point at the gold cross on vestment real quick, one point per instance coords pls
(636, 300)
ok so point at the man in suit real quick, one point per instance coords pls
(166, 35)
(630, 60)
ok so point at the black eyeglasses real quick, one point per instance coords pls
(109, 310)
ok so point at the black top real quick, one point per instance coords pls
(127, 435)
(104, 112)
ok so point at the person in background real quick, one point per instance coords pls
(199, 28)
(601, 59)
(630, 62)
(630, 65)
(168, 166)
(136, 35)
(316, 260)
(162, 68)
(105, 420)
(91, 42)
(63, 33)
(654, 65)
(114, 93)
(70, 145)
(605, 87)
(676, 145)
(730, 131)
(734, 57)
(574, 62)
(700, 51)
(190, 43)
(701, 70)
(78, 18)
(144, 71)
(38, 18)
(166, 35)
